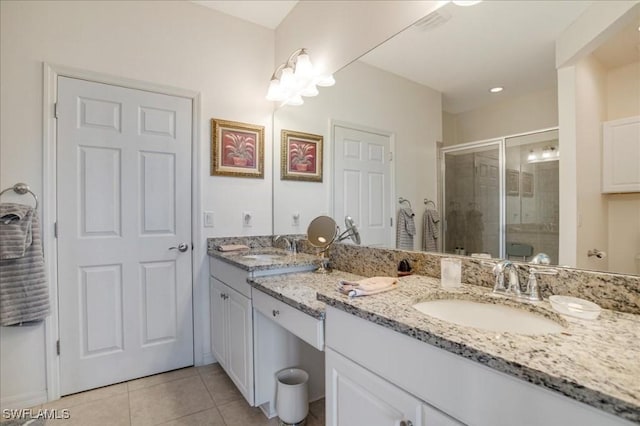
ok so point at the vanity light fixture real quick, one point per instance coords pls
(296, 78)
(496, 89)
(548, 153)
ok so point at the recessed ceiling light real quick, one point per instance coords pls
(496, 89)
(466, 2)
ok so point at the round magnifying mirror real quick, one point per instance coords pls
(322, 231)
(352, 229)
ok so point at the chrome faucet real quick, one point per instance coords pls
(289, 245)
(513, 288)
(532, 292)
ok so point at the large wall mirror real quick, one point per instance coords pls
(414, 119)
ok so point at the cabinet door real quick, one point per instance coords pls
(355, 396)
(218, 320)
(621, 155)
(240, 343)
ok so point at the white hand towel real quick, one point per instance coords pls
(367, 286)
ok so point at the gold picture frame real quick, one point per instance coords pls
(301, 156)
(237, 149)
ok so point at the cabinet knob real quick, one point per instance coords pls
(275, 312)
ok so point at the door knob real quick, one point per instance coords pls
(182, 247)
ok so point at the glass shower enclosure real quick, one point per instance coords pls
(500, 197)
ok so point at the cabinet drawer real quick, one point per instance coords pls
(304, 326)
(232, 276)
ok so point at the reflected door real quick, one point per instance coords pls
(471, 198)
(124, 199)
(363, 183)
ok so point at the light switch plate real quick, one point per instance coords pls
(208, 219)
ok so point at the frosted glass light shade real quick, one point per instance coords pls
(326, 80)
(295, 101)
(275, 91)
(310, 90)
(304, 69)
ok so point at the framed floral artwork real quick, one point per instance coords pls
(237, 149)
(301, 156)
(513, 182)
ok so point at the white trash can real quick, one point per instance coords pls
(292, 396)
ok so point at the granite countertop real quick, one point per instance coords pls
(281, 259)
(595, 362)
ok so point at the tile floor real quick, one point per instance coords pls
(190, 396)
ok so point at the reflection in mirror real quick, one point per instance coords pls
(351, 231)
(427, 89)
(322, 231)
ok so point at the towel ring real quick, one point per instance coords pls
(21, 189)
(428, 201)
(404, 200)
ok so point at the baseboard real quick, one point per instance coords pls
(267, 410)
(207, 359)
(24, 400)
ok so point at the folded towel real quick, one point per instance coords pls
(15, 232)
(232, 247)
(367, 286)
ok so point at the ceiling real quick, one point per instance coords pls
(464, 51)
(263, 12)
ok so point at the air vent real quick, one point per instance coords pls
(432, 20)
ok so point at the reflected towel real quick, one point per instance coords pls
(405, 229)
(232, 247)
(367, 286)
(430, 230)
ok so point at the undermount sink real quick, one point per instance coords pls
(264, 257)
(489, 316)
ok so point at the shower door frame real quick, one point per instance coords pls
(501, 143)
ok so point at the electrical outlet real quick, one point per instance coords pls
(247, 219)
(208, 219)
(295, 219)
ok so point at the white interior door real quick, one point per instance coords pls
(124, 199)
(362, 189)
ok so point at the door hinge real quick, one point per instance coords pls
(55, 229)
(391, 222)
(55, 110)
(390, 156)
(58, 347)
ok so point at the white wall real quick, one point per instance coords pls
(366, 96)
(623, 100)
(599, 22)
(532, 111)
(170, 43)
(592, 205)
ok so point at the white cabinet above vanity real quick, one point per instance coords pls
(621, 155)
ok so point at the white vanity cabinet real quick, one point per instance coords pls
(356, 396)
(231, 325)
(370, 365)
(621, 155)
